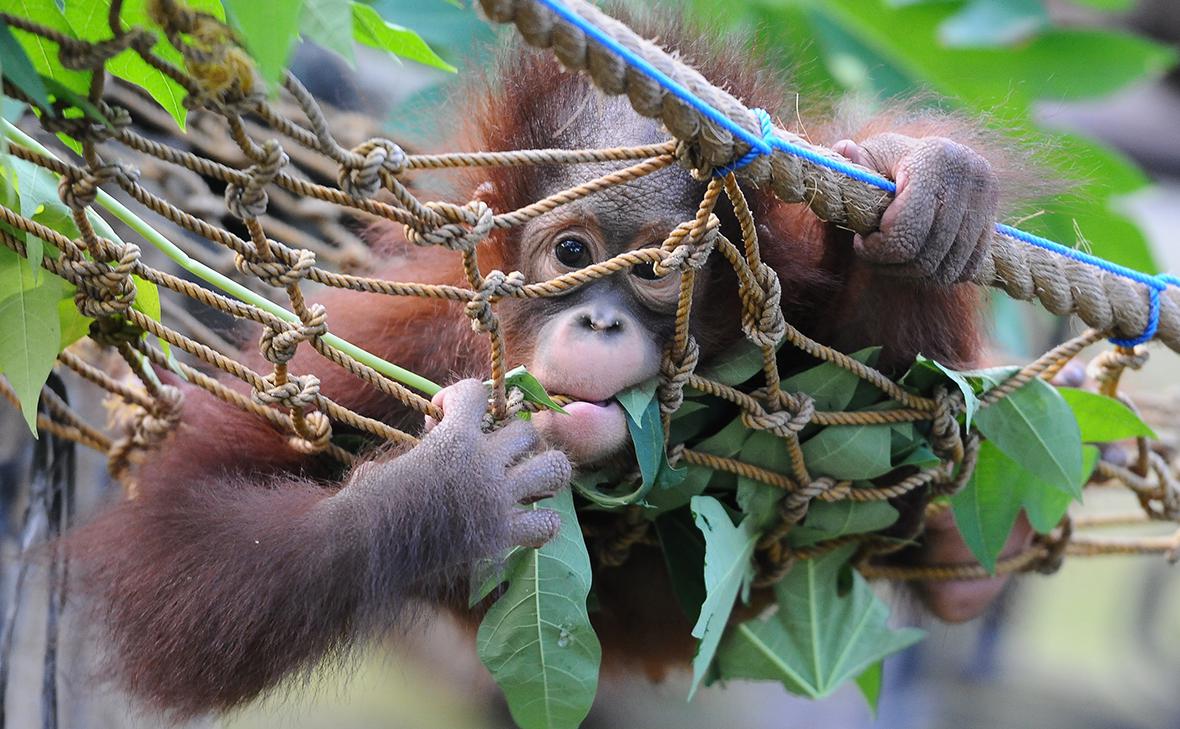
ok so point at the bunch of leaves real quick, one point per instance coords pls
(38, 318)
(269, 32)
(824, 625)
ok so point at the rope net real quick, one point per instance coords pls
(109, 272)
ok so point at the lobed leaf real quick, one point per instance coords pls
(818, 638)
(536, 640)
(728, 550)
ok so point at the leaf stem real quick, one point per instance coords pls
(228, 285)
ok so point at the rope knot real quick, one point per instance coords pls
(944, 427)
(514, 403)
(314, 433)
(762, 313)
(288, 266)
(674, 374)
(105, 286)
(496, 285)
(79, 192)
(468, 226)
(783, 423)
(376, 156)
(1108, 366)
(297, 393)
(250, 200)
(279, 346)
(694, 249)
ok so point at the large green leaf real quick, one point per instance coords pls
(41, 52)
(831, 386)
(856, 452)
(818, 638)
(832, 519)
(1102, 419)
(329, 24)
(89, 21)
(30, 331)
(1036, 428)
(757, 500)
(268, 30)
(371, 29)
(728, 550)
(536, 639)
(986, 508)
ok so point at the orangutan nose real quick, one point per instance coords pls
(601, 319)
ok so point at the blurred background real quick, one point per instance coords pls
(1089, 86)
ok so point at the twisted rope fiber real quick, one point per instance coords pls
(101, 267)
(720, 125)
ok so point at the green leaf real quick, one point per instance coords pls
(728, 550)
(17, 68)
(1058, 64)
(536, 640)
(855, 452)
(739, 364)
(328, 23)
(89, 21)
(1103, 419)
(636, 399)
(1043, 505)
(986, 509)
(870, 683)
(683, 548)
(73, 325)
(37, 190)
(533, 390)
(756, 499)
(1107, 4)
(369, 28)
(818, 638)
(960, 380)
(30, 331)
(831, 386)
(647, 435)
(726, 443)
(41, 52)
(1036, 428)
(833, 519)
(268, 30)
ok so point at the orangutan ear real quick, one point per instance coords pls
(485, 193)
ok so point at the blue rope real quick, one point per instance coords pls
(769, 141)
(767, 136)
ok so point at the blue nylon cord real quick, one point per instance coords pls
(769, 141)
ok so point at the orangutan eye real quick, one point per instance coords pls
(572, 252)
